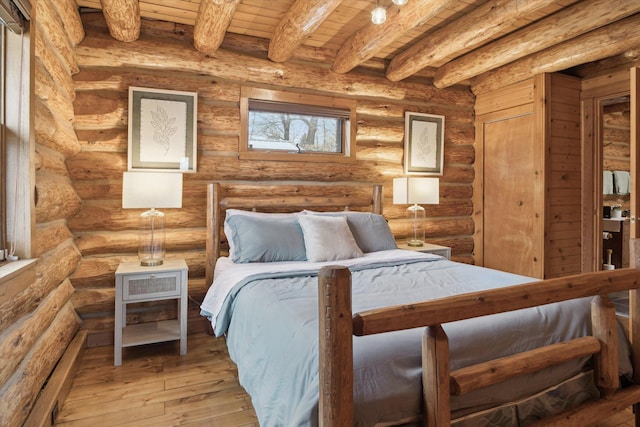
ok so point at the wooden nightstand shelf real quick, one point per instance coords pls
(428, 248)
(135, 283)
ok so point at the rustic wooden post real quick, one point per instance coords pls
(377, 199)
(212, 239)
(435, 377)
(603, 321)
(335, 374)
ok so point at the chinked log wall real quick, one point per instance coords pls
(164, 58)
(37, 320)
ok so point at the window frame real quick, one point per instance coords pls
(18, 145)
(348, 153)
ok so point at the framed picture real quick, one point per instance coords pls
(162, 130)
(423, 144)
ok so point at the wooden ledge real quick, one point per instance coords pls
(16, 276)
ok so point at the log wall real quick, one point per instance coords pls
(38, 319)
(164, 58)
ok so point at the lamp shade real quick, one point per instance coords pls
(151, 190)
(408, 191)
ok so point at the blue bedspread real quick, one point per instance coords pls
(272, 335)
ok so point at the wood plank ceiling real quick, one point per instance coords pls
(447, 41)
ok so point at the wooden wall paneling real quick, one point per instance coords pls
(53, 132)
(230, 65)
(20, 392)
(38, 320)
(47, 90)
(564, 157)
(49, 161)
(68, 11)
(54, 66)
(106, 234)
(19, 340)
(55, 198)
(51, 27)
(50, 235)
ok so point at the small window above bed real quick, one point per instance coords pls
(276, 125)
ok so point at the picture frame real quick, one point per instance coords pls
(423, 144)
(162, 130)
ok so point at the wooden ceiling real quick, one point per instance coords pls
(448, 41)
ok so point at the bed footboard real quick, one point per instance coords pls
(337, 325)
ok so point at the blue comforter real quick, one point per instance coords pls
(270, 319)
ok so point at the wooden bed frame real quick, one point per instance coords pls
(338, 324)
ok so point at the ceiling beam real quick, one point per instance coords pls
(214, 17)
(69, 14)
(628, 59)
(564, 25)
(123, 19)
(369, 40)
(302, 19)
(470, 31)
(613, 39)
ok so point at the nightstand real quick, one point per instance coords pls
(135, 283)
(428, 248)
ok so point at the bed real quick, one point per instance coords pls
(432, 341)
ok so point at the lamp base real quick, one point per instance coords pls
(415, 242)
(150, 262)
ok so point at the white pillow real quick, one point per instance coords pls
(371, 231)
(328, 238)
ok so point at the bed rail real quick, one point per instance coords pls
(439, 382)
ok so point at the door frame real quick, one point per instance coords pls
(594, 92)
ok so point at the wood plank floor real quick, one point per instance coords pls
(156, 386)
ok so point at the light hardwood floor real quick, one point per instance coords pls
(155, 386)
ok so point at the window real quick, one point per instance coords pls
(16, 170)
(296, 127)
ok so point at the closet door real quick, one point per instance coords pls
(513, 214)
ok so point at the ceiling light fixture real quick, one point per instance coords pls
(379, 14)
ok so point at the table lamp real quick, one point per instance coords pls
(415, 191)
(151, 190)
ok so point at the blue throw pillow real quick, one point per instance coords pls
(261, 239)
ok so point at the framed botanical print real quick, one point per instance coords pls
(423, 144)
(162, 130)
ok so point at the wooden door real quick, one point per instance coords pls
(512, 219)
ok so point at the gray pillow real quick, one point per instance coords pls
(262, 239)
(371, 231)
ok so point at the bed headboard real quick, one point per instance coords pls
(280, 196)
